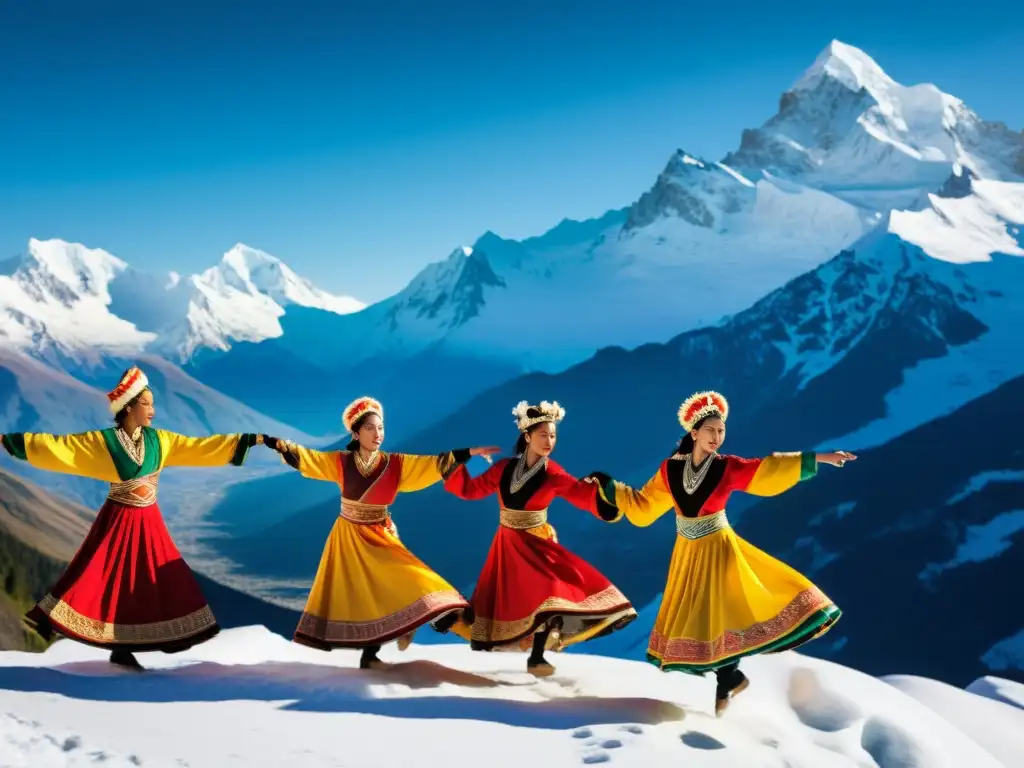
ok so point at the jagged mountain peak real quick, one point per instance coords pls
(847, 65)
(697, 191)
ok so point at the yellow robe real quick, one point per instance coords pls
(369, 588)
(724, 598)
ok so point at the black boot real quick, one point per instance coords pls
(537, 665)
(126, 659)
(731, 682)
(369, 658)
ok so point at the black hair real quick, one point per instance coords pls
(353, 444)
(686, 443)
(531, 413)
(121, 415)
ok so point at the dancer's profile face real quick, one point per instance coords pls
(143, 410)
(371, 433)
(542, 439)
(710, 435)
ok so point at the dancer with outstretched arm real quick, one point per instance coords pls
(532, 592)
(127, 589)
(369, 588)
(724, 598)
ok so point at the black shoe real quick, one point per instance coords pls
(125, 659)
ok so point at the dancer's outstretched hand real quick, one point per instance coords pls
(486, 451)
(274, 443)
(836, 458)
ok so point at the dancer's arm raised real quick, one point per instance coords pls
(419, 472)
(776, 474)
(84, 453)
(587, 493)
(213, 451)
(316, 465)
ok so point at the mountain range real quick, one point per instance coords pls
(849, 276)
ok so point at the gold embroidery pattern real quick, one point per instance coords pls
(364, 514)
(397, 623)
(698, 527)
(140, 492)
(683, 650)
(134, 445)
(98, 631)
(523, 519)
(609, 600)
(366, 466)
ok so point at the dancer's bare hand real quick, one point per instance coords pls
(486, 452)
(836, 458)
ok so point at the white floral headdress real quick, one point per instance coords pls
(552, 412)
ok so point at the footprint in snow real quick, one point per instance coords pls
(634, 729)
(583, 733)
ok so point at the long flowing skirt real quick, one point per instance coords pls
(726, 599)
(528, 582)
(370, 589)
(128, 588)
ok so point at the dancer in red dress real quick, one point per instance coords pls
(532, 591)
(127, 588)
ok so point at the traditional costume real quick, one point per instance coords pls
(724, 598)
(531, 585)
(369, 589)
(127, 588)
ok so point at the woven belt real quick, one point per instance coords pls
(523, 519)
(364, 514)
(699, 527)
(140, 492)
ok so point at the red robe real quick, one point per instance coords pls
(529, 580)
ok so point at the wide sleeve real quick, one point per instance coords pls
(419, 472)
(642, 507)
(460, 483)
(587, 494)
(316, 465)
(213, 451)
(84, 454)
(771, 475)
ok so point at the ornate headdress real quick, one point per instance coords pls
(701, 404)
(552, 412)
(360, 407)
(129, 387)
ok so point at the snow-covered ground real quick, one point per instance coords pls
(252, 698)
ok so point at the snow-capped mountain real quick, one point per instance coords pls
(251, 697)
(241, 300)
(848, 128)
(848, 145)
(46, 294)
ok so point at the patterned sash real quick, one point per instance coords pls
(139, 492)
(522, 519)
(364, 514)
(699, 527)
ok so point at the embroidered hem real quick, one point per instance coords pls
(322, 633)
(492, 631)
(808, 615)
(67, 621)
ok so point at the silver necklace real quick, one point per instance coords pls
(134, 446)
(521, 474)
(692, 478)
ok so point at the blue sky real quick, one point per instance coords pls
(360, 144)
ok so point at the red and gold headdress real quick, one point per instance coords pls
(360, 407)
(552, 412)
(701, 404)
(130, 386)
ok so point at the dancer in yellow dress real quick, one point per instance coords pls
(370, 589)
(724, 598)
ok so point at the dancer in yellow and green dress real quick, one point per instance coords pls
(369, 589)
(127, 589)
(724, 598)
